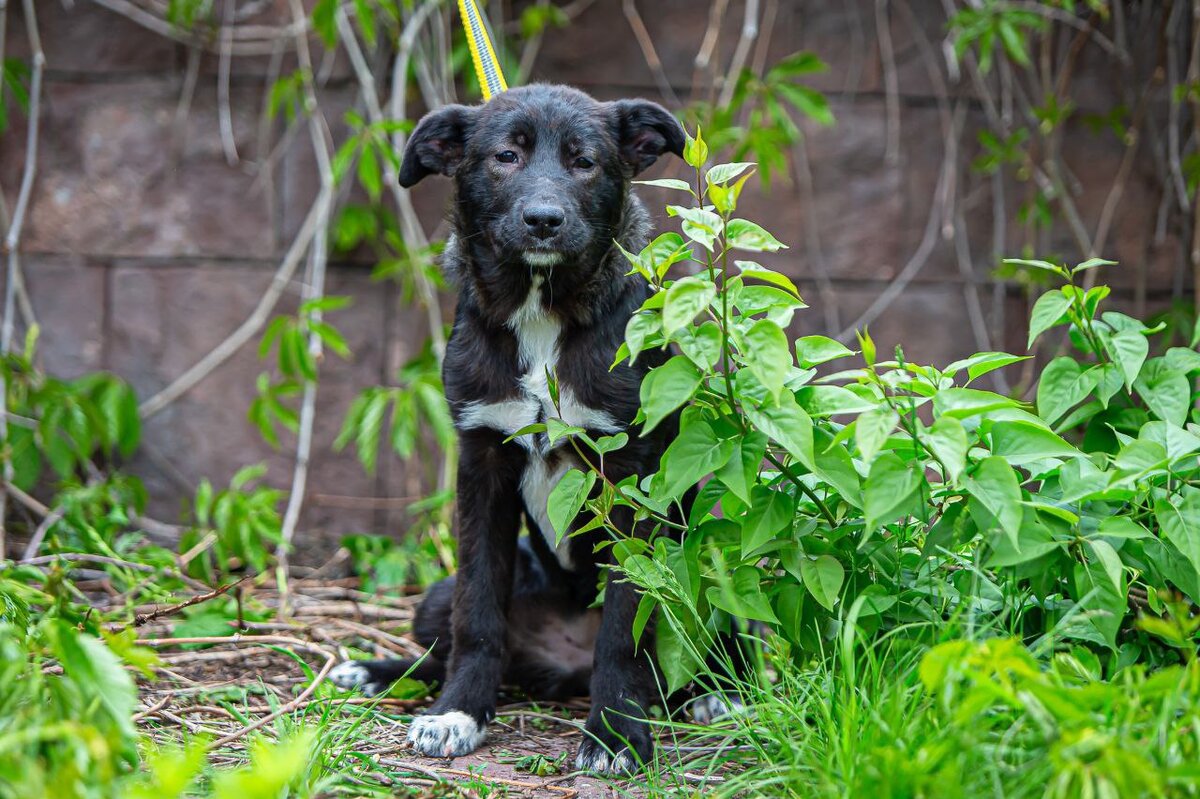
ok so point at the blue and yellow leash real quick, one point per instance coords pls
(487, 66)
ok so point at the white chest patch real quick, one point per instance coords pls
(537, 334)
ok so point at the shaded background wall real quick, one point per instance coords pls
(144, 247)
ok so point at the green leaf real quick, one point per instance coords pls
(701, 344)
(872, 429)
(1043, 265)
(995, 486)
(699, 224)
(892, 488)
(1128, 350)
(742, 596)
(695, 151)
(738, 472)
(825, 400)
(814, 350)
(686, 298)
(369, 174)
(667, 183)
(947, 440)
(1122, 527)
(696, 453)
(1180, 523)
(1020, 442)
(1092, 263)
(566, 500)
(807, 101)
(823, 578)
(770, 513)
(1166, 392)
(788, 424)
(982, 363)
(666, 388)
(723, 173)
(1062, 386)
(767, 355)
(1048, 311)
(638, 329)
(741, 234)
(963, 403)
(676, 656)
(751, 269)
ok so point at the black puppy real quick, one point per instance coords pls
(542, 177)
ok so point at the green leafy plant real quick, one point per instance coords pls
(896, 487)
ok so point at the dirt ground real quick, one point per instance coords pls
(270, 678)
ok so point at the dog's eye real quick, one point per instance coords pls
(584, 163)
(507, 157)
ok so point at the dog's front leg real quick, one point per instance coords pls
(488, 525)
(617, 736)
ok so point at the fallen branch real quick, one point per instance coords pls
(171, 610)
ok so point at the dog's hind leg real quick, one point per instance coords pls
(431, 629)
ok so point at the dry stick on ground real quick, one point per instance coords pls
(264, 640)
(171, 610)
(12, 239)
(314, 290)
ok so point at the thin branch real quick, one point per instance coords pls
(629, 7)
(529, 52)
(928, 240)
(255, 40)
(741, 52)
(224, 114)
(266, 304)
(314, 289)
(141, 619)
(12, 240)
(891, 83)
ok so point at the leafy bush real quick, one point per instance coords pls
(900, 488)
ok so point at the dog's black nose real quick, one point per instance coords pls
(544, 220)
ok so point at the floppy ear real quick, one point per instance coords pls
(646, 130)
(437, 144)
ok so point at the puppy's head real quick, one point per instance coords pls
(542, 172)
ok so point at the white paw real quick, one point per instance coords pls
(450, 734)
(597, 760)
(710, 707)
(351, 675)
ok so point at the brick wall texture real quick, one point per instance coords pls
(144, 248)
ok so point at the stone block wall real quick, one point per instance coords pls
(144, 247)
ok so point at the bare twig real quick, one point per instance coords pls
(529, 52)
(279, 640)
(12, 239)
(629, 7)
(741, 52)
(887, 53)
(224, 114)
(171, 610)
(266, 304)
(257, 40)
(925, 248)
(314, 289)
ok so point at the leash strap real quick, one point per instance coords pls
(487, 67)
